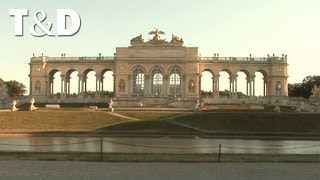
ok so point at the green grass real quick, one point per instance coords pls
(55, 121)
(148, 115)
(80, 119)
(235, 122)
(67, 119)
(254, 122)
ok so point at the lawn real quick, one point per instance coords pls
(231, 122)
(55, 121)
(159, 122)
(67, 119)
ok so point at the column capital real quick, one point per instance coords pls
(147, 77)
(216, 76)
(250, 78)
(233, 77)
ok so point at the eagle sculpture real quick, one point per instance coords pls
(156, 33)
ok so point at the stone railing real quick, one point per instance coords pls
(84, 58)
(245, 59)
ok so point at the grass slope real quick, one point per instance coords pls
(230, 122)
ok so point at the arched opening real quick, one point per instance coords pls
(106, 84)
(260, 83)
(74, 79)
(89, 83)
(224, 83)
(206, 83)
(242, 86)
(175, 82)
(157, 81)
(55, 87)
(72, 83)
(138, 82)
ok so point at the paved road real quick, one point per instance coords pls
(156, 171)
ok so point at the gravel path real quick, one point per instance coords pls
(156, 171)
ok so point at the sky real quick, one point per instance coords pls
(234, 28)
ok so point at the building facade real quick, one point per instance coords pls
(153, 72)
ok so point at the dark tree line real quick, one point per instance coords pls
(303, 89)
(14, 88)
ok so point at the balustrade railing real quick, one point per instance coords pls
(228, 59)
(111, 58)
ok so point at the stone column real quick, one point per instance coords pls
(101, 85)
(68, 85)
(47, 87)
(80, 84)
(51, 85)
(98, 83)
(264, 86)
(114, 84)
(84, 82)
(250, 80)
(63, 84)
(182, 85)
(46, 93)
(165, 84)
(199, 86)
(216, 85)
(233, 84)
(147, 85)
(130, 85)
(30, 88)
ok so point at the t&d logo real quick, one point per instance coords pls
(41, 27)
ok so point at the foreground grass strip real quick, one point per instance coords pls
(56, 121)
(133, 157)
(252, 122)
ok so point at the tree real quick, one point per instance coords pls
(15, 88)
(303, 89)
(1, 82)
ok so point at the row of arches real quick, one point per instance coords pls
(73, 82)
(157, 83)
(238, 83)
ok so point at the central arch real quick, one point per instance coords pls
(156, 81)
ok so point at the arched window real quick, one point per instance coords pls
(175, 81)
(157, 80)
(138, 82)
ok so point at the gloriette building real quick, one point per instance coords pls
(154, 73)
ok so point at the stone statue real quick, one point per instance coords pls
(122, 86)
(278, 88)
(32, 107)
(156, 33)
(14, 108)
(141, 103)
(110, 105)
(315, 93)
(176, 39)
(137, 39)
(277, 109)
(197, 108)
(191, 86)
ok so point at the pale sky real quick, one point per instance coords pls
(228, 27)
